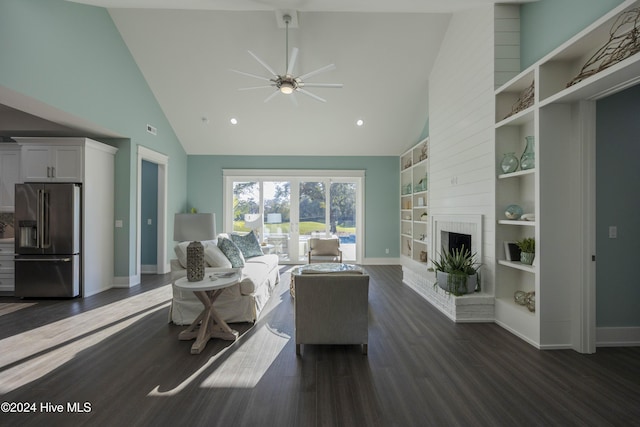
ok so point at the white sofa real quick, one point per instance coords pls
(239, 303)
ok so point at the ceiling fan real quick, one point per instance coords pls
(286, 83)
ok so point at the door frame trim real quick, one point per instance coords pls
(162, 160)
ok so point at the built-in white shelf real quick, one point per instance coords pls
(517, 174)
(517, 265)
(517, 222)
(560, 118)
(414, 169)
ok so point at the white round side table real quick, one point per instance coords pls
(208, 324)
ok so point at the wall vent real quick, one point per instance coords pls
(152, 130)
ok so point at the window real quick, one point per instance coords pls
(287, 207)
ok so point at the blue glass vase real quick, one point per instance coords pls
(528, 158)
(509, 163)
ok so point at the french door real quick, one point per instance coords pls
(285, 208)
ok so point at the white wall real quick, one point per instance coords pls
(507, 43)
(461, 105)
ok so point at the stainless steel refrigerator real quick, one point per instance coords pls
(47, 240)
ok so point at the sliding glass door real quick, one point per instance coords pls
(279, 229)
(287, 208)
(344, 223)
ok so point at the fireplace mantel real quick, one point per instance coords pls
(476, 307)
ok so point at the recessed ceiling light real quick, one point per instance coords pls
(359, 122)
(233, 121)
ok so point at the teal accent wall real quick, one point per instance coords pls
(382, 190)
(149, 209)
(546, 24)
(71, 57)
(618, 204)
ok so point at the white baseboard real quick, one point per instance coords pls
(381, 261)
(149, 269)
(618, 337)
(153, 268)
(126, 281)
(167, 269)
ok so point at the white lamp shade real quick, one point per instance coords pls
(194, 227)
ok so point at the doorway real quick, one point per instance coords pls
(286, 208)
(149, 223)
(162, 162)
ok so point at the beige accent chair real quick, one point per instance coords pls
(324, 250)
(332, 309)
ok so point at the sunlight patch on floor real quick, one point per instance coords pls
(10, 307)
(27, 356)
(241, 369)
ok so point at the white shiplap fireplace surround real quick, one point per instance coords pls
(476, 307)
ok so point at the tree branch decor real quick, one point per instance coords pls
(624, 41)
(524, 101)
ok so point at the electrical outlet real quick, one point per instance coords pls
(613, 232)
(118, 223)
(149, 221)
(386, 251)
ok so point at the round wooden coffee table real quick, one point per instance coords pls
(208, 324)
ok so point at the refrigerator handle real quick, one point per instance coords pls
(46, 238)
(39, 220)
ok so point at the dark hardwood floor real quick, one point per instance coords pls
(117, 352)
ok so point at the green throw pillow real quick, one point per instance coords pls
(231, 251)
(248, 244)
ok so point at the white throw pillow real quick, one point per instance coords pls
(214, 257)
(181, 252)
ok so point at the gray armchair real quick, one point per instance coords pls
(324, 250)
(332, 309)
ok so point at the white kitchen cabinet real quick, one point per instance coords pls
(52, 163)
(9, 175)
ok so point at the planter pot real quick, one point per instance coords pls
(527, 257)
(457, 284)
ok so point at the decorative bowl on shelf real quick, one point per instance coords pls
(513, 212)
(528, 217)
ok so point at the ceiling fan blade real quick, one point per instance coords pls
(336, 85)
(256, 87)
(294, 100)
(316, 97)
(250, 75)
(270, 97)
(318, 71)
(264, 64)
(292, 61)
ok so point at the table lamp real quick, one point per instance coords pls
(194, 228)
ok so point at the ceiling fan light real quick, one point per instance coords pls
(286, 88)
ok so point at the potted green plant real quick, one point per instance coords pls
(527, 250)
(457, 271)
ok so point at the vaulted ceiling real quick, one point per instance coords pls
(383, 52)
